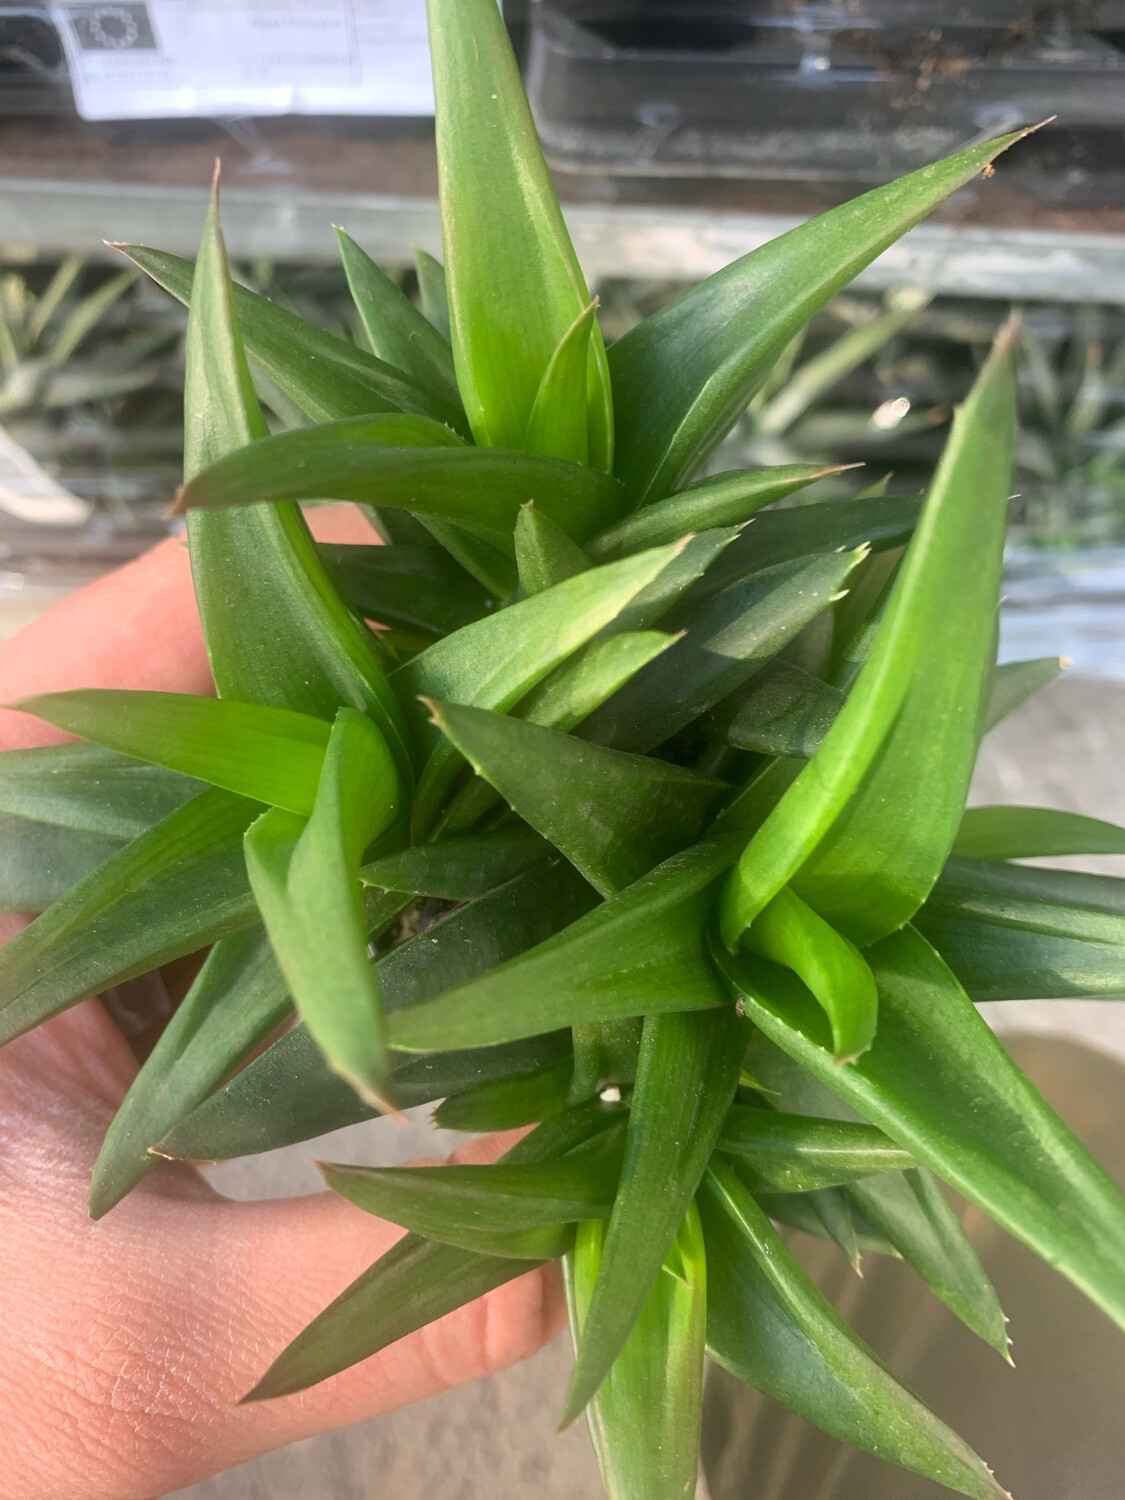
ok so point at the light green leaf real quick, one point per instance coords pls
(90, 790)
(686, 1077)
(782, 1153)
(645, 1418)
(613, 815)
(237, 999)
(1033, 833)
(557, 424)
(1013, 682)
(592, 675)
(290, 1093)
(305, 877)
(270, 755)
(726, 639)
(720, 500)
(545, 554)
(514, 283)
(865, 828)
(418, 588)
(432, 292)
(169, 892)
(398, 333)
(681, 378)
(640, 953)
(793, 935)
(771, 1327)
(941, 1085)
(325, 376)
(1012, 932)
(411, 463)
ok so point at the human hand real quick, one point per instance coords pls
(128, 1342)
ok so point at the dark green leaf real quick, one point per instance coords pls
(796, 1211)
(938, 1082)
(418, 588)
(781, 711)
(398, 333)
(90, 790)
(1012, 932)
(720, 500)
(305, 877)
(770, 1326)
(505, 1103)
(781, 1153)
(613, 815)
(1034, 833)
(1014, 682)
(458, 869)
(645, 1418)
(514, 283)
(410, 463)
(681, 378)
(726, 640)
(686, 1077)
(270, 755)
(237, 999)
(640, 953)
(168, 893)
(431, 291)
(40, 862)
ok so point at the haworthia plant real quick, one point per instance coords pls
(544, 809)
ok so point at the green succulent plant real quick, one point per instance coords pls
(641, 821)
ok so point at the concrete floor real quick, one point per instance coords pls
(496, 1441)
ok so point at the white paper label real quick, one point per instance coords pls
(153, 59)
(29, 492)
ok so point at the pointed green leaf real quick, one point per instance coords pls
(237, 999)
(1013, 682)
(907, 1208)
(938, 1082)
(432, 292)
(515, 286)
(40, 862)
(592, 675)
(545, 555)
(793, 935)
(398, 333)
(277, 631)
(686, 1077)
(833, 1209)
(557, 424)
(726, 640)
(613, 815)
(481, 1207)
(867, 825)
(1011, 932)
(645, 1418)
(325, 376)
(414, 1283)
(268, 754)
(777, 536)
(169, 892)
(418, 588)
(720, 500)
(681, 378)
(411, 463)
(458, 869)
(305, 877)
(290, 1093)
(495, 661)
(782, 710)
(1033, 833)
(90, 790)
(689, 566)
(506, 1103)
(781, 1153)
(640, 953)
(796, 1211)
(771, 1327)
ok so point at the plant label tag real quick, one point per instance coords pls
(156, 59)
